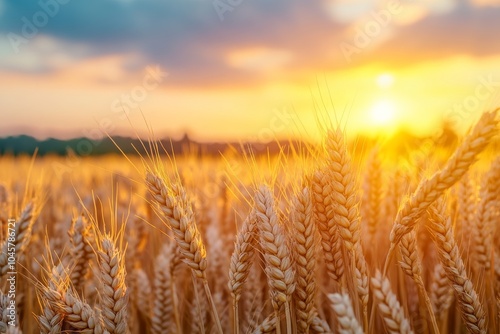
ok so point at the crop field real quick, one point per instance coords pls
(336, 237)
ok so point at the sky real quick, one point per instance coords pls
(239, 69)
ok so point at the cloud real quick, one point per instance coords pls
(188, 39)
(466, 30)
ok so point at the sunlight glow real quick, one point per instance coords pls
(385, 80)
(383, 113)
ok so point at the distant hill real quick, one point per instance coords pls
(400, 143)
(26, 145)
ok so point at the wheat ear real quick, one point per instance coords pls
(5, 326)
(142, 290)
(345, 202)
(177, 210)
(176, 207)
(268, 326)
(341, 305)
(59, 299)
(468, 300)
(441, 291)
(330, 237)
(20, 237)
(163, 311)
(114, 296)
(431, 189)
(374, 193)
(81, 239)
(241, 262)
(279, 265)
(466, 208)
(485, 222)
(345, 206)
(305, 262)
(50, 322)
(390, 309)
(412, 267)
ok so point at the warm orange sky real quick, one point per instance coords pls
(251, 70)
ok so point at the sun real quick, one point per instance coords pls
(383, 113)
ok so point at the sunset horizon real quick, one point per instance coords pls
(200, 68)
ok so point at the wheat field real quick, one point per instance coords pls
(323, 238)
